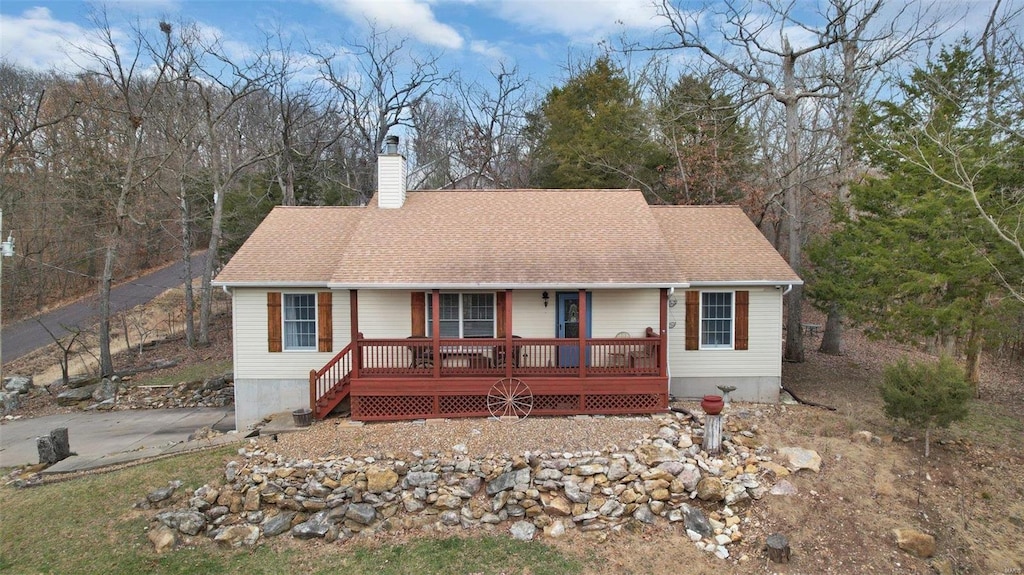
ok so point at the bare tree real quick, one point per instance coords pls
(234, 134)
(755, 47)
(376, 83)
(133, 81)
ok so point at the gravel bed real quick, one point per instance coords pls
(480, 437)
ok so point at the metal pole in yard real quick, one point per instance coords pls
(6, 251)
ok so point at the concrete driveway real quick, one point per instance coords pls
(111, 437)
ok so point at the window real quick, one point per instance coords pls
(716, 320)
(300, 321)
(463, 315)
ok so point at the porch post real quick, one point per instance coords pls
(663, 334)
(509, 358)
(583, 333)
(435, 334)
(353, 311)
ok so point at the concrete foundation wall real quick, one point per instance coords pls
(258, 398)
(755, 389)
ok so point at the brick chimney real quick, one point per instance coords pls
(390, 175)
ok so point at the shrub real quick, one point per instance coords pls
(925, 394)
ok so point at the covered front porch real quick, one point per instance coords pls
(426, 375)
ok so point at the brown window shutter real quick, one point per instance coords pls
(419, 314)
(693, 320)
(274, 321)
(325, 322)
(499, 312)
(742, 320)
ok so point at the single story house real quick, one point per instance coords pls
(502, 302)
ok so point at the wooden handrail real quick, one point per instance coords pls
(337, 370)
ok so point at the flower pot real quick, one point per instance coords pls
(712, 404)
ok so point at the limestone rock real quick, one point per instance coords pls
(379, 479)
(523, 530)
(20, 384)
(556, 505)
(799, 458)
(361, 513)
(105, 390)
(695, 521)
(238, 535)
(783, 487)
(554, 530)
(508, 480)
(73, 396)
(188, 522)
(654, 453)
(711, 489)
(915, 542)
(278, 524)
(163, 538)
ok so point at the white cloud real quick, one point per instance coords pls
(487, 49)
(412, 17)
(581, 20)
(37, 41)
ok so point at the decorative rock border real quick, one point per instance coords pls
(655, 479)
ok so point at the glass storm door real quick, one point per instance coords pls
(568, 326)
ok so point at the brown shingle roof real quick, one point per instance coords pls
(293, 245)
(720, 244)
(578, 238)
(502, 238)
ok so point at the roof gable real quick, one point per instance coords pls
(719, 244)
(507, 238)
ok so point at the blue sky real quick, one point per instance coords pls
(537, 35)
(474, 34)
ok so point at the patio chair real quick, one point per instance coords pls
(422, 356)
(499, 354)
(619, 355)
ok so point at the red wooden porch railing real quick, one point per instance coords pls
(415, 357)
(330, 385)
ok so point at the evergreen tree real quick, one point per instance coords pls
(915, 259)
(925, 395)
(591, 133)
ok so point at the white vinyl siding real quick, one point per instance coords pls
(251, 358)
(631, 311)
(762, 359)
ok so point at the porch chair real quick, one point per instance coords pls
(499, 354)
(422, 356)
(647, 356)
(619, 356)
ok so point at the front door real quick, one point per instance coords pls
(568, 326)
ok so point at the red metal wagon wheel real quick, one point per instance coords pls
(510, 397)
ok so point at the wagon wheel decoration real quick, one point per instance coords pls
(510, 397)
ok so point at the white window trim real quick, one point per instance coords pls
(429, 313)
(316, 323)
(732, 322)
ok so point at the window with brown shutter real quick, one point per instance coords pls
(273, 321)
(742, 320)
(325, 323)
(419, 314)
(692, 320)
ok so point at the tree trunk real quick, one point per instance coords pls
(831, 340)
(106, 360)
(973, 353)
(206, 291)
(186, 257)
(794, 334)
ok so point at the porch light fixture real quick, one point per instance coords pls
(544, 296)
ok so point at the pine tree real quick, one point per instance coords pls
(925, 395)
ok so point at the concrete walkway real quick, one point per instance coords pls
(103, 438)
